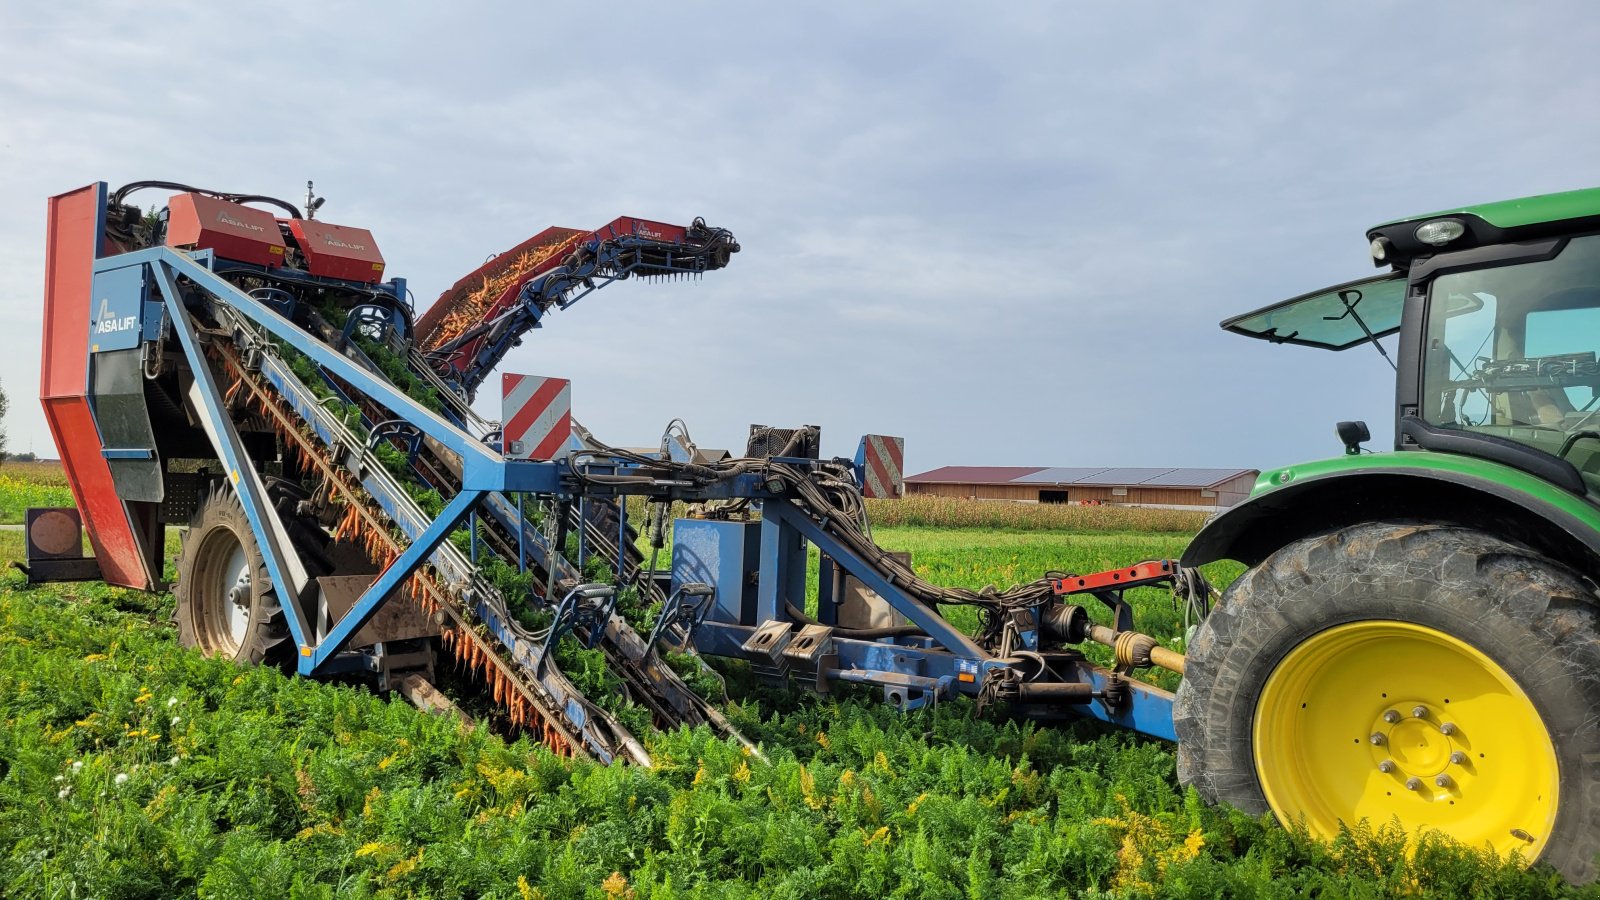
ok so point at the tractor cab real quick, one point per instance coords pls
(1498, 311)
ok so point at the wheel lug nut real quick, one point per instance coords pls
(1419, 712)
(1458, 758)
(1391, 716)
(1448, 728)
(1386, 766)
(1442, 780)
(1377, 737)
(1413, 783)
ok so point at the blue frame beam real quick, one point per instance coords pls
(312, 657)
(921, 615)
(289, 577)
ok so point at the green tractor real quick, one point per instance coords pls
(1418, 635)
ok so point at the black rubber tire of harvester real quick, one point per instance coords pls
(219, 524)
(1537, 619)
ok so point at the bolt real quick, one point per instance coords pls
(1391, 716)
(1442, 780)
(1413, 783)
(1377, 738)
(1419, 712)
(1458, 758)
(1386, 766)
(1448, 728)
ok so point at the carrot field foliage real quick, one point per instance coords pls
(35, 483)
(132, 768)
(927, 511)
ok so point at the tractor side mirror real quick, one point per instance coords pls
(1353, 435)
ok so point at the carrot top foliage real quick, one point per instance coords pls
(132, 768)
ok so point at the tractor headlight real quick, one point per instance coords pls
(1439, 232)
(1380, 248)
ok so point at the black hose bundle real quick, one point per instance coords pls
(826, 491)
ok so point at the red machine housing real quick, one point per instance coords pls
(232, 230)
(76, 224)
(338, 251)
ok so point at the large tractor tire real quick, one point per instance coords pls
(1426, 673)
(226, 605)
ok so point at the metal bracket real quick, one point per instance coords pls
(809, 644)
(769, 641)
(585, 604)
(687, 607)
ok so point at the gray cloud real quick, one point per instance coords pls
(1005, 233)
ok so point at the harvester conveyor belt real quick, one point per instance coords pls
(650, 680)
(509, 661)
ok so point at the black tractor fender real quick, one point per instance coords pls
(1251, 531)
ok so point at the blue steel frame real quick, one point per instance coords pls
(482, 469)
(911, 671)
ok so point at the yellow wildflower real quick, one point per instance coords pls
(405, 866)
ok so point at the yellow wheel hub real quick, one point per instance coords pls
(1384, 720)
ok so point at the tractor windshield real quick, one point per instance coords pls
(1335, 318)
(1511, 351)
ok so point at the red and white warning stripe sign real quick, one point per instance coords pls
(882, 462)
(535, 416)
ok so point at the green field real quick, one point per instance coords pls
(132, 768)
(25, 484)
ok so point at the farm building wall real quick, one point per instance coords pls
(1226, 494)
(1235, 490)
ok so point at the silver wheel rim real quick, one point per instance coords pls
(222, 593)
(236, 581)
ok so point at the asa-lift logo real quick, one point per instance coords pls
(108, 322)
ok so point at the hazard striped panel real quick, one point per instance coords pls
(881, 461)
(535, 416)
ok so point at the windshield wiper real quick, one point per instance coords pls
(1345, 297)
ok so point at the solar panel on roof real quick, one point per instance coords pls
(1194, 477)
(1125, 476)
(1059, 475)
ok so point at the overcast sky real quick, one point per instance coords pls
(1004, 231)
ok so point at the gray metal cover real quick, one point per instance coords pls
(1196, 477)
(1061, 475)
(1132, 476)
(1126, 476)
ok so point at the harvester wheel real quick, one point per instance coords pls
(225, 602)
(1427, 673)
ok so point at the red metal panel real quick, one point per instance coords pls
(1147, 572)
(338, 251)
(539, 254)
(235, 231)
(492, 269)
(628, 226)
(535, 415)
(884, 463)
(72, 240)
